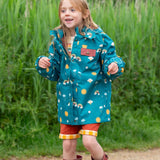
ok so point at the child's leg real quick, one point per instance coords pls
(69, 149)
(93, 147)
(89, 132)
(69, 134)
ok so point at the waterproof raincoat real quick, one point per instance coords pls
(83, 81)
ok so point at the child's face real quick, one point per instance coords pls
(70, 16)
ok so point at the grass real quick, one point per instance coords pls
(28, 112)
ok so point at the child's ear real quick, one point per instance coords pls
(87, 14)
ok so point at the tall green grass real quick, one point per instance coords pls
(28, 113)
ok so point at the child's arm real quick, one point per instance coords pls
(112, 65)
(44, 62)
(49, 67)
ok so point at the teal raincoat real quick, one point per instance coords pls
(83, 81)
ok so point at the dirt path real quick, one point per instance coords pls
(153, 154)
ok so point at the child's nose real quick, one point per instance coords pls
(67, 12)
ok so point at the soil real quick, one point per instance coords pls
(153, 154)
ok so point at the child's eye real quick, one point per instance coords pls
(72, 10)
(63, 10)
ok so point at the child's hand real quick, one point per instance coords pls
(44, 62)
(113, 68)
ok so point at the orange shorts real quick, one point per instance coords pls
(74, 131)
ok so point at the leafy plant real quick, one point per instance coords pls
(28, 112)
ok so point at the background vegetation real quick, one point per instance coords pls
(28, 113)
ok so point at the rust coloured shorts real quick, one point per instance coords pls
(74, 131)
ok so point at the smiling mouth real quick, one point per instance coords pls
(68, 20)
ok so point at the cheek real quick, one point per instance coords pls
(61, 17)
(79, 17)
(80, 20)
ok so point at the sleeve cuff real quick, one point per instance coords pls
(37, 62)
(120, 64)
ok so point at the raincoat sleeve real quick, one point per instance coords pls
(108, 55)
(52, 72)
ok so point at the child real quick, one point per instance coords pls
(83, 61)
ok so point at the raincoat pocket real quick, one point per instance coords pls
(64, 101)
(88, 52)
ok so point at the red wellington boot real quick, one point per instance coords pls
(78, 158)
(105, 157)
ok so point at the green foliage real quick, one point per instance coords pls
(28, 113)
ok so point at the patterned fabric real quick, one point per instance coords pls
(71, 136)
(69, 44)
(75, 136)
(88, 132)
(83, 81)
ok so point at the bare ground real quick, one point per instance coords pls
(153, 154)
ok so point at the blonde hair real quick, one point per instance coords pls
(82, 6)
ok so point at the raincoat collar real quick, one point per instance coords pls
(85, 33)
(57, 33)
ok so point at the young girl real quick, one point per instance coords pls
(83, 61)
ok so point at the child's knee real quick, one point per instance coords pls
(89, 141)
(69, 145)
